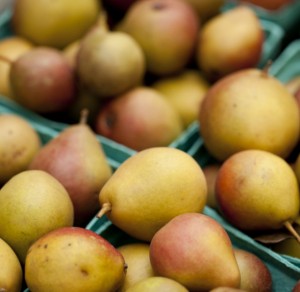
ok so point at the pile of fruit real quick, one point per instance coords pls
(140, 73)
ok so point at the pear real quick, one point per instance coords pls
(224, 47)
(255, 274)
(293, 84)
(196, 251)
(19, 143)
(271, 5)
(185, 91)
(42, 80)
(11, 273)
(73, 259)
(167, 31)
(54, 24)
(264, 189)
(10, 48)
(288, 246)
(32, 203)
(76, 159)
(110, 62)
(136, 256)
(157, 284)
(296, 287)
(227, 289)
(140, 118)
(152, 187)
(249, 109)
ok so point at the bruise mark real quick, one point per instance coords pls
(46, 245)
(84, 272)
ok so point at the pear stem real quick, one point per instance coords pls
(106, 207)
(6, 60)
(292, 230)
(83, 116)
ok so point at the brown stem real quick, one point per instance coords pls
(6, 60)
(288, 225)
(106, 207)
(84, 116)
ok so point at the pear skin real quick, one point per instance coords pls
(224, 47)
(73, 259)
(255, 274)
(152, 187)
(289, 246)
(136, 256)
(39, 203)
(195, 250)
(157, 284)
(263, 187)
(19, 143)
(11, 273)
(76, 159)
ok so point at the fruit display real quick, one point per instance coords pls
(148, 145)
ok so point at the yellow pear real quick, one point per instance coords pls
(73, 259)
(32, 203)
(289, 246)
(249, 109)
(136, 256)
(152, 187)
(19, 143)
(185, 91)
(52, 23)
(10, 48)
(11, 273)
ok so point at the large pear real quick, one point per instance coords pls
(152, 187)
(76, 158)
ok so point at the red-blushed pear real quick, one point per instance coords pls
(167, 31)
(255, 274)
(140, 118)
(76, 158)
(196, 251)
(257, 191)
(136, 256)
(296, 288)
(42, 80)
(224, 47)
(73, 259)
(249, 109)
(227, 289)
(157, 284)
(268, 4)
(152, 187)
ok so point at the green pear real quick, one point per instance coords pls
(255, 274)
(152, 187)
(264, 189)
(54, 24)
(73, 259)
(109, 62)
(42, 80)
(224, 47)
(19, 143)
(185, 91)
(167, 31)
(11, 273)
(32, 203)
(249, 109)
(140, 118)
(136, 256)
(157, 284)
(196, 251)
(76, 159)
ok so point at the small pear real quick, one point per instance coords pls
(76, 159)
(152, 187)
(264, 189)
(196, 251)
(109, 62)
(255, 274)
(185, 91)
(19, 143)
(32, 203)
(157, 284)
(136, 256)
(73, 259)
(224, 47)
(11, 273)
